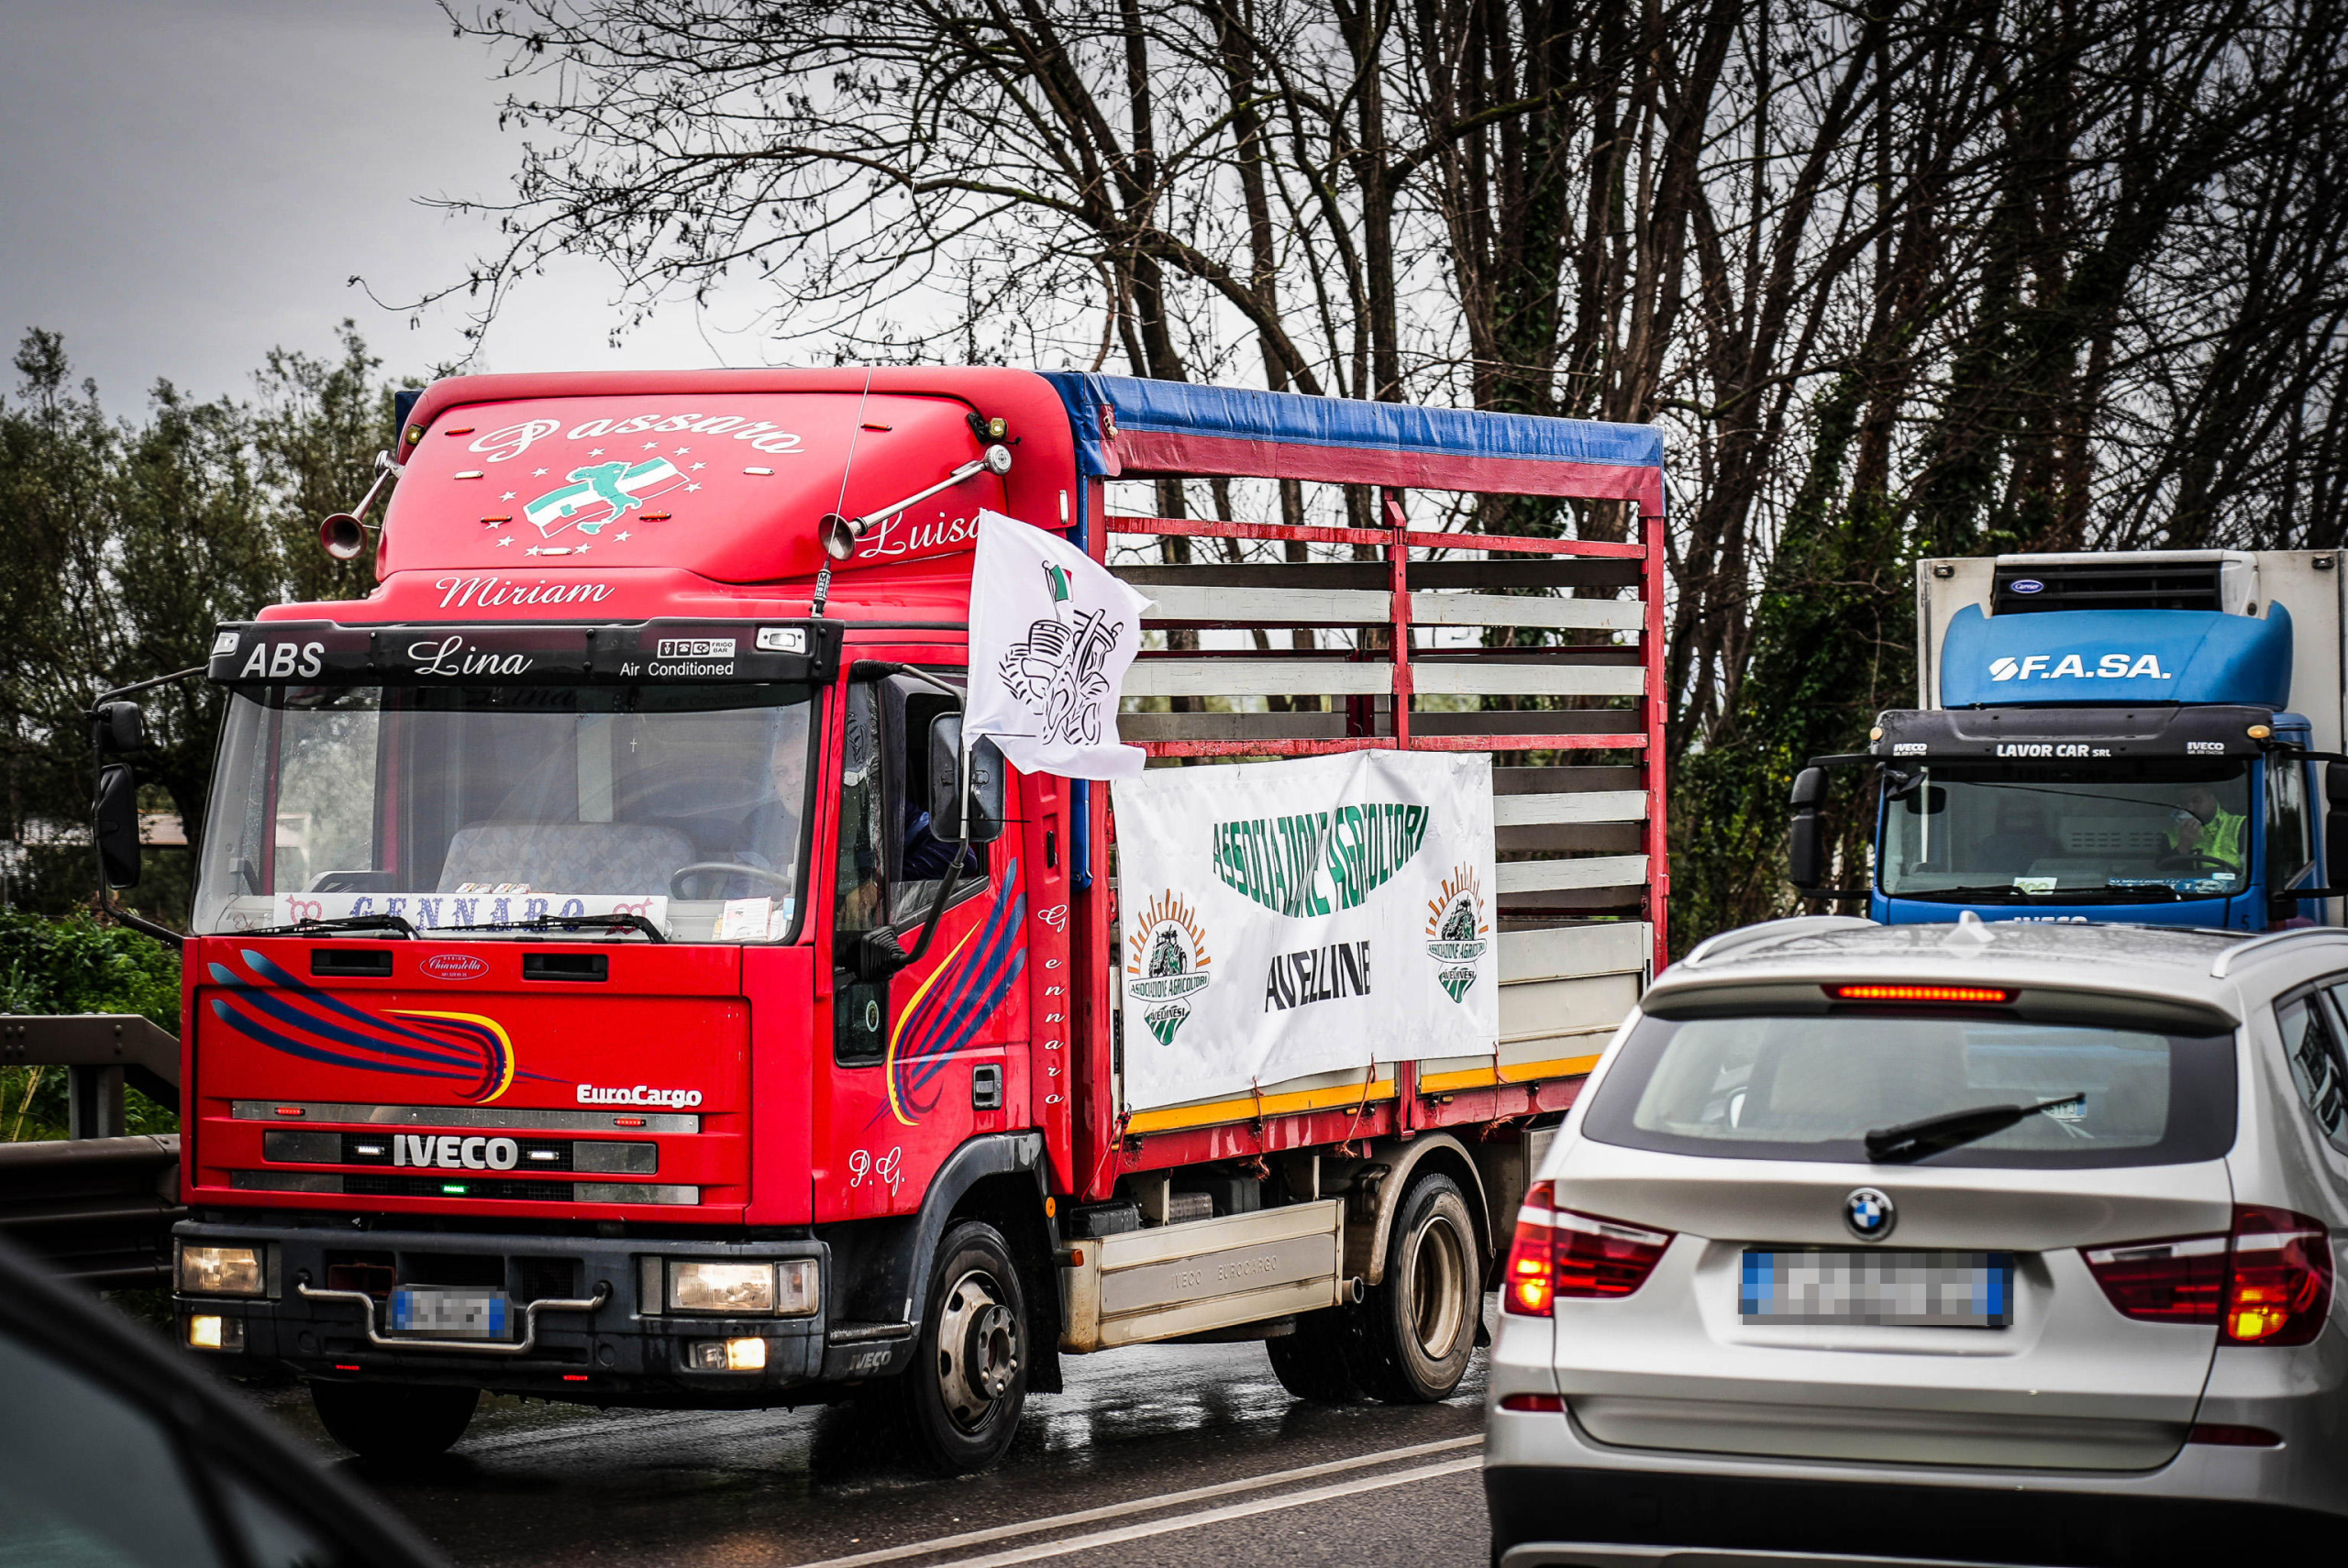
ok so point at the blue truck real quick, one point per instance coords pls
(2148, 737)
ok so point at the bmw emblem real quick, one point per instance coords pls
(2026, 585)
(1870, 1213)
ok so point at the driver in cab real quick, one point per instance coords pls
(2201, 827)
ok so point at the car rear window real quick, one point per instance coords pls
(1812, 1087)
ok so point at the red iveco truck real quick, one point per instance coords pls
(539, 1035)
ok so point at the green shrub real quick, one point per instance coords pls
(75, 964)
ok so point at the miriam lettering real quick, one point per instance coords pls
(485, 591)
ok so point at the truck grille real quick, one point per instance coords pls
(464, 1184)
(2121, 584)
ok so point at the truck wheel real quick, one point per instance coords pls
(962, 1396)
(1311, 1363)
(393, 1422)
(1418, 1325)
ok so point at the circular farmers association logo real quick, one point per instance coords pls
(1458, 933)
(1168, 966)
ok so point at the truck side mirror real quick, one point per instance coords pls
(115, 814)
(117, 728)
(1806, 838)
(2335, 825)
(947, 799)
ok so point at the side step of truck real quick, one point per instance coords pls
(1172, 1280)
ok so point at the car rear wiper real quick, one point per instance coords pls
(340, 923)
(570, 922)
(1913, 1141)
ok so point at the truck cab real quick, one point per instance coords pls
(2139, 737)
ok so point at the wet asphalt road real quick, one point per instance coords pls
(1189, 1455)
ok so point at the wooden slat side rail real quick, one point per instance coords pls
(1529, 679)
(1561, 780)
(1230, 677)
(1594, 806)
(1358, 607)
(1510, 543)
(1551, 571)
(1633, 740)
(1553, 875)
(1573, 952)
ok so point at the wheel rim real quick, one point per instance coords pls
(1436, 1264)
(977, 1349)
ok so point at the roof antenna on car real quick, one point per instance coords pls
(1971, 931)
(823, 573)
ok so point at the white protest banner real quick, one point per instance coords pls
(1288, 918)
(1051, 634)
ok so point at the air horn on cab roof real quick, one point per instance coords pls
(343, 534)
(841, 533)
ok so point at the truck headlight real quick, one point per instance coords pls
(221, 1271)
(721, 1287)
(786, 1290)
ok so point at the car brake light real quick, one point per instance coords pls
(2269, 1283)
(1921, 993)
(2281, 1285)
(1560, 1253)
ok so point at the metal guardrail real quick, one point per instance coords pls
(101, 1052)
(99, 1210)
(98, 1206)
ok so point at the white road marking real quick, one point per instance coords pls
(1217, 1516)
(1171, 1500)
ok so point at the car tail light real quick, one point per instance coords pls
(2281, 1285)
(2181, 1280)
(1551, 1404)
(1560, 1253)
(2267, 1283)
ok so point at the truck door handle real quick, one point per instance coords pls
(986, 1087)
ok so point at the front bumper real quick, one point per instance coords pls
(599, 1334)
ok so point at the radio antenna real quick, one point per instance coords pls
(823, 573)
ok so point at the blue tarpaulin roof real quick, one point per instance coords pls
(1126, 426)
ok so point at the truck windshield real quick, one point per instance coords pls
(490, 807)
(2104, 832)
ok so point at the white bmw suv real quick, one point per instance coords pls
(1979, 1243)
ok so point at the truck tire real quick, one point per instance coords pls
(1312, 1363)
(961, 1399)
(392, 1422)
(1417, 1327)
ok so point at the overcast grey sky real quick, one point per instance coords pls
(183, 186)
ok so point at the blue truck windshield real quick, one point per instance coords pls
(2105, 831)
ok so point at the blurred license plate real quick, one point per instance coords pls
(1962, 1290)
(466, 1314)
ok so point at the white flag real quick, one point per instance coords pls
(1051, 634)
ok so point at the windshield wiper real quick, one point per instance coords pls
(1913, 1141)
(340, 923)
(570, 922)
(1996, 893)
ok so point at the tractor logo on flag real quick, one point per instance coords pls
(1170, 965)
(1057, 670)
(1458, 933)
(601, 493)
